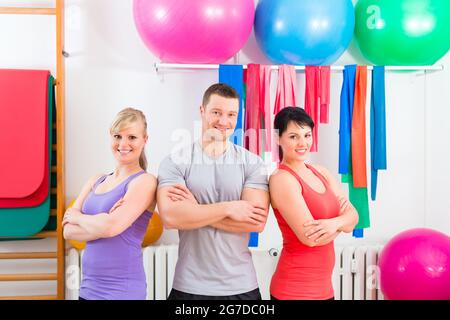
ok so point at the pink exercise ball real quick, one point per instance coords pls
(415, 265)
(194, 31)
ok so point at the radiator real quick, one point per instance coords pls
(355, 276)
(356, 273)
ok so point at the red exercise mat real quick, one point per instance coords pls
(41, 194)
(23, 119)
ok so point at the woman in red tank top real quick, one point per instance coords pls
(311, 211)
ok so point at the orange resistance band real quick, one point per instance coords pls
(359, 129)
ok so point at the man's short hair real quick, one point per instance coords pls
(220, 89)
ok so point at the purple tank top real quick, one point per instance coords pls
(113, 268)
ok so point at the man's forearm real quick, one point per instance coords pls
(230, 225)
(184, 215)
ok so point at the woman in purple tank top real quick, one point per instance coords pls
(112, 213)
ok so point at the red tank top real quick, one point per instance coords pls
(305, 272)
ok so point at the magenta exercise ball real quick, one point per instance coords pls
(415, 265)
(194, 31)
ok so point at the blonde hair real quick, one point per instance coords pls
(123, 120)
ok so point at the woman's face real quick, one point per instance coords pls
(128, 143)
(296, 142)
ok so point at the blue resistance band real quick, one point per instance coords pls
(345, 122)
(233, 75)
(377, 127)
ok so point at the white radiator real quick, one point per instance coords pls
(159, 266)
(355, 276)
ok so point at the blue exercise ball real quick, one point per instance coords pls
(304, 32)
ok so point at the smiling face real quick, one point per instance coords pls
(296, 142)
(219, 117)
(127, 143)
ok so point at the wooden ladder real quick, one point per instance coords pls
(59, 254)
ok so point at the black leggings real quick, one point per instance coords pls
(179, 295)
(273, 298)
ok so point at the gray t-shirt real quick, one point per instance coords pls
(214, 262)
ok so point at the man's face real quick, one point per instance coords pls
(219, 117)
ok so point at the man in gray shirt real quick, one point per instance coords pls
(214, 192)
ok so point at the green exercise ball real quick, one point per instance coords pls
(403, 32)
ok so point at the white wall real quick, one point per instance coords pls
(110, 68)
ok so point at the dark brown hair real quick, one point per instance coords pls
(221, 89)
(288, 114)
